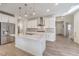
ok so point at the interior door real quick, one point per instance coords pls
(60, 27)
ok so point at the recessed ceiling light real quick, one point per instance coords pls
(34, 13)
(25, 4)
(48, 10)
(25, 15)
(62, 17)
(56, 4)
(19, 17)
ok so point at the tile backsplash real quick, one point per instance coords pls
(36, 30)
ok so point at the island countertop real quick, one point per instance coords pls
(34, 36)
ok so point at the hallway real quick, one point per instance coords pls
(61, 47)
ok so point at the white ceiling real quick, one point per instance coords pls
(38, 8)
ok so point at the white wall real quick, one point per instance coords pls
(69, 19)
(76, 27)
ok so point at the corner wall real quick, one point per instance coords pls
(69, 19)
(76, 27)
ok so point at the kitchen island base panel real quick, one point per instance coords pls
(35, 47)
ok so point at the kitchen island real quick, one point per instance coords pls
(34, 44)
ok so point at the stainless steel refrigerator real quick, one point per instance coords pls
(6, 29)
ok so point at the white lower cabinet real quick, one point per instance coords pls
(3, 40)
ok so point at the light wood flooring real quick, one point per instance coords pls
(61, 47)
(11, 50)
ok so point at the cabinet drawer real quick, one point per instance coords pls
(3, 40)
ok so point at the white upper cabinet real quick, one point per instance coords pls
(6, 18)
(49, 22)
(32, 24)
(3, 18)
(12, 20)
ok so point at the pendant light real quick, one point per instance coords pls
(20, 13)
(25, 10)
(34, 12)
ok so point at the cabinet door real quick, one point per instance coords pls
(49, 22)
(50, 37)
(10, 38)
(11, 28)
(4, 18)
(3, 35)
(3, 40)
(12, 20)
(3, 28)
(32, 24)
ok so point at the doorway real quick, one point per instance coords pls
(68, 30)
(60, 28)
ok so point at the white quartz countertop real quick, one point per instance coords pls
(35, 36)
